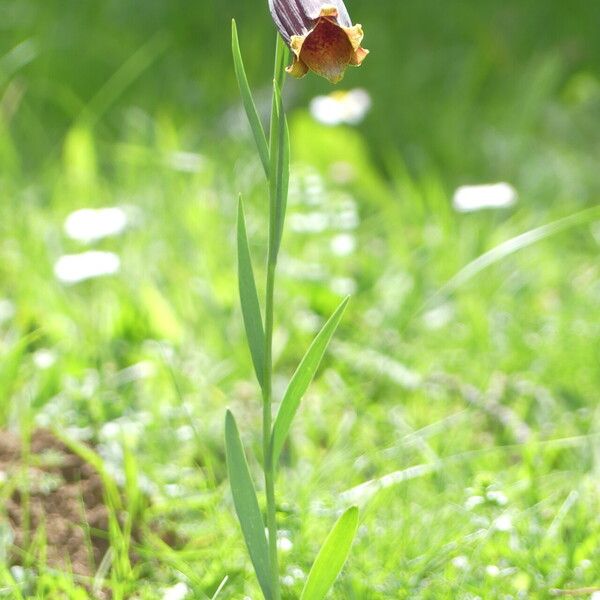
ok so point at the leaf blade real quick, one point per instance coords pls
(251, 314)
(279, 169)
(246, 505)
(248, 101)
(331, 556)
(283, 169)
(301, 379)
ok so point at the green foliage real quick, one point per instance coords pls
(249, 298)
(280, 168)
(331, 557)
(458, 406)
(246, 505)
(301, 379)
(248, 101)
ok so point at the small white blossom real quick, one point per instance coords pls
(470, 198)
(460, 562)
(492, 570)
(497, 497)
(91, 224)
(177, 592)
(7, 310)
(44, 359)
(503, 523)
(284, 543)
(343, 244)
(73, 268)
(341, 107)
(344, 286)
(474, 501)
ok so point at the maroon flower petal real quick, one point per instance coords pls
(321, 36)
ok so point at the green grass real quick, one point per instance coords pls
(467, 397)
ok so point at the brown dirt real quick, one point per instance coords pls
(65, 499)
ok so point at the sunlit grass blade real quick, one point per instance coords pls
(505, 249)
(246, 504)
(17, 58)
(249, 298)
(331, 557)
(247, 100)
(220, 588)
(139, 62)
(279, 166)
(301, 380)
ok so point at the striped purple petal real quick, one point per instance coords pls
(298, 17)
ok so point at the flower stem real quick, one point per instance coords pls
(269, 467)
(267, 418)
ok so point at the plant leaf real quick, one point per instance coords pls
(249, 298)
(281, 58)
(331, 557)
(279, 167)
(301, 380)
(248, 101)
(509, 247)
(246, 505)
(283, 169)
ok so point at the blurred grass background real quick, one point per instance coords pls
(477, 400)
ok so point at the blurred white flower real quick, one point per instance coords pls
(460, 562)
(343, 286)
(339, 107)
(73, 268)
(185, 433)
(497, 497)
(141, 370)
(7, 310)
(503, 523)
(438, 317)
(492, 570)
(343, 244)
(474, 501)
(469, 198)
(284, 543)
(177, 592)
(44, 358)
(91, 224)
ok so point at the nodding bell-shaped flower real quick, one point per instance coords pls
(321, 36)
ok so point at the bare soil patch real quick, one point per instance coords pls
(58, 495)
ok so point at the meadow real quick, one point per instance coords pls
(457, 405)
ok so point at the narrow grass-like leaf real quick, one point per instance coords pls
(281, 59)
(301, 380)
(505, 249)
(279, 168)
(248, 101)
(283, 170)
(331, 557)
(246, 505)
(249, 298)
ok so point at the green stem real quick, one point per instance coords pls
(267, 418)
(269, 468)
